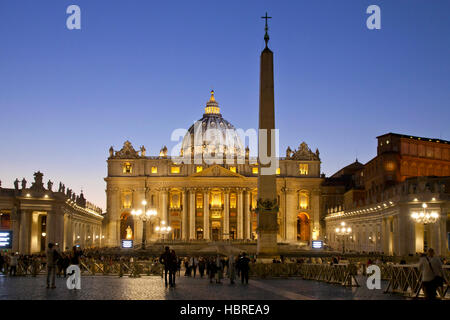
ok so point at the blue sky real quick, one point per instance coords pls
(139, 69)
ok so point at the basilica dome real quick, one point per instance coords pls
(212, 135)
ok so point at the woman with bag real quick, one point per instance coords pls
(433, 275)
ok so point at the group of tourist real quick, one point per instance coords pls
(215, 268)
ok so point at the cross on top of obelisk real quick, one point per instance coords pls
(266, 36)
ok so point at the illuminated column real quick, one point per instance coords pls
(15, 226)
(385, 236)
(192, 213)
(396, 240)
(405, 237)
(184, 221)
(163, 205)
(113, 223)
(316, 233)
(68, 232)
(248, 216)
(291, 219)
(240, 215)
(206, 214)
(226, 216)
(25, 232)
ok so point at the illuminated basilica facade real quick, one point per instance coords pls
(208, 200)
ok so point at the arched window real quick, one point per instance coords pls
(303, 199)
(127, 199)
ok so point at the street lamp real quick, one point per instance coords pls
(344, 232)
(425, 217)
(163, 229)
(144, 216)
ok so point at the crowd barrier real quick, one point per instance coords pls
(342, 274)
(407, 280)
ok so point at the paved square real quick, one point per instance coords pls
(153, 288)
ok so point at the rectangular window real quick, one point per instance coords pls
(255, 170)
(174, 169)
(127, 167)
(233, 169)
(303, 168)
(199, 169)
(154, 169)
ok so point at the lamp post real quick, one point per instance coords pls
(162, 229)
(425, 217)
(144, 216)
(344, 232)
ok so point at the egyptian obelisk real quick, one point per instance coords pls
(267, 207)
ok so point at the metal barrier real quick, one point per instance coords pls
(134, 269)
(407, 280)
(342, 274)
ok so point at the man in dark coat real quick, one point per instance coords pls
(244, 268)
(165, 260)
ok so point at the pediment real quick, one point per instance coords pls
(216, 171)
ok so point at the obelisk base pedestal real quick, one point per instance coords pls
(267, 247)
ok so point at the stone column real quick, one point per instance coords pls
(436, 235)
(315, 210)
(240, 214)
(25, 232)
(396, 240)
(15, 226)
(163, 205)
(291, 220)
(192, 214)
(184, 220)
(406, 232)
(68, 233)
(113, 219)
(248, 215)
(226, 214)
(385, 235)
(206, 214)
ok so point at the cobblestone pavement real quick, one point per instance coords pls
(152, 288)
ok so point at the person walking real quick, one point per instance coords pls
(244, 267)
(2, 261)
(433, 275)
(231, 269)
(164, 259)
(173, 266)
(13, 260)
(219, 269)
(194, 263)
(75, 256)
(201, 267)
(51, 261)
(211, 269)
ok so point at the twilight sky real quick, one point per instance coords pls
(139, 69)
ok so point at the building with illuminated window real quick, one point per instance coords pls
(34, 216)
(397, 203)
(209, 191)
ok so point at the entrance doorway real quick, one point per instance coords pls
(303, 228)
(199, 233)
(215, 230)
